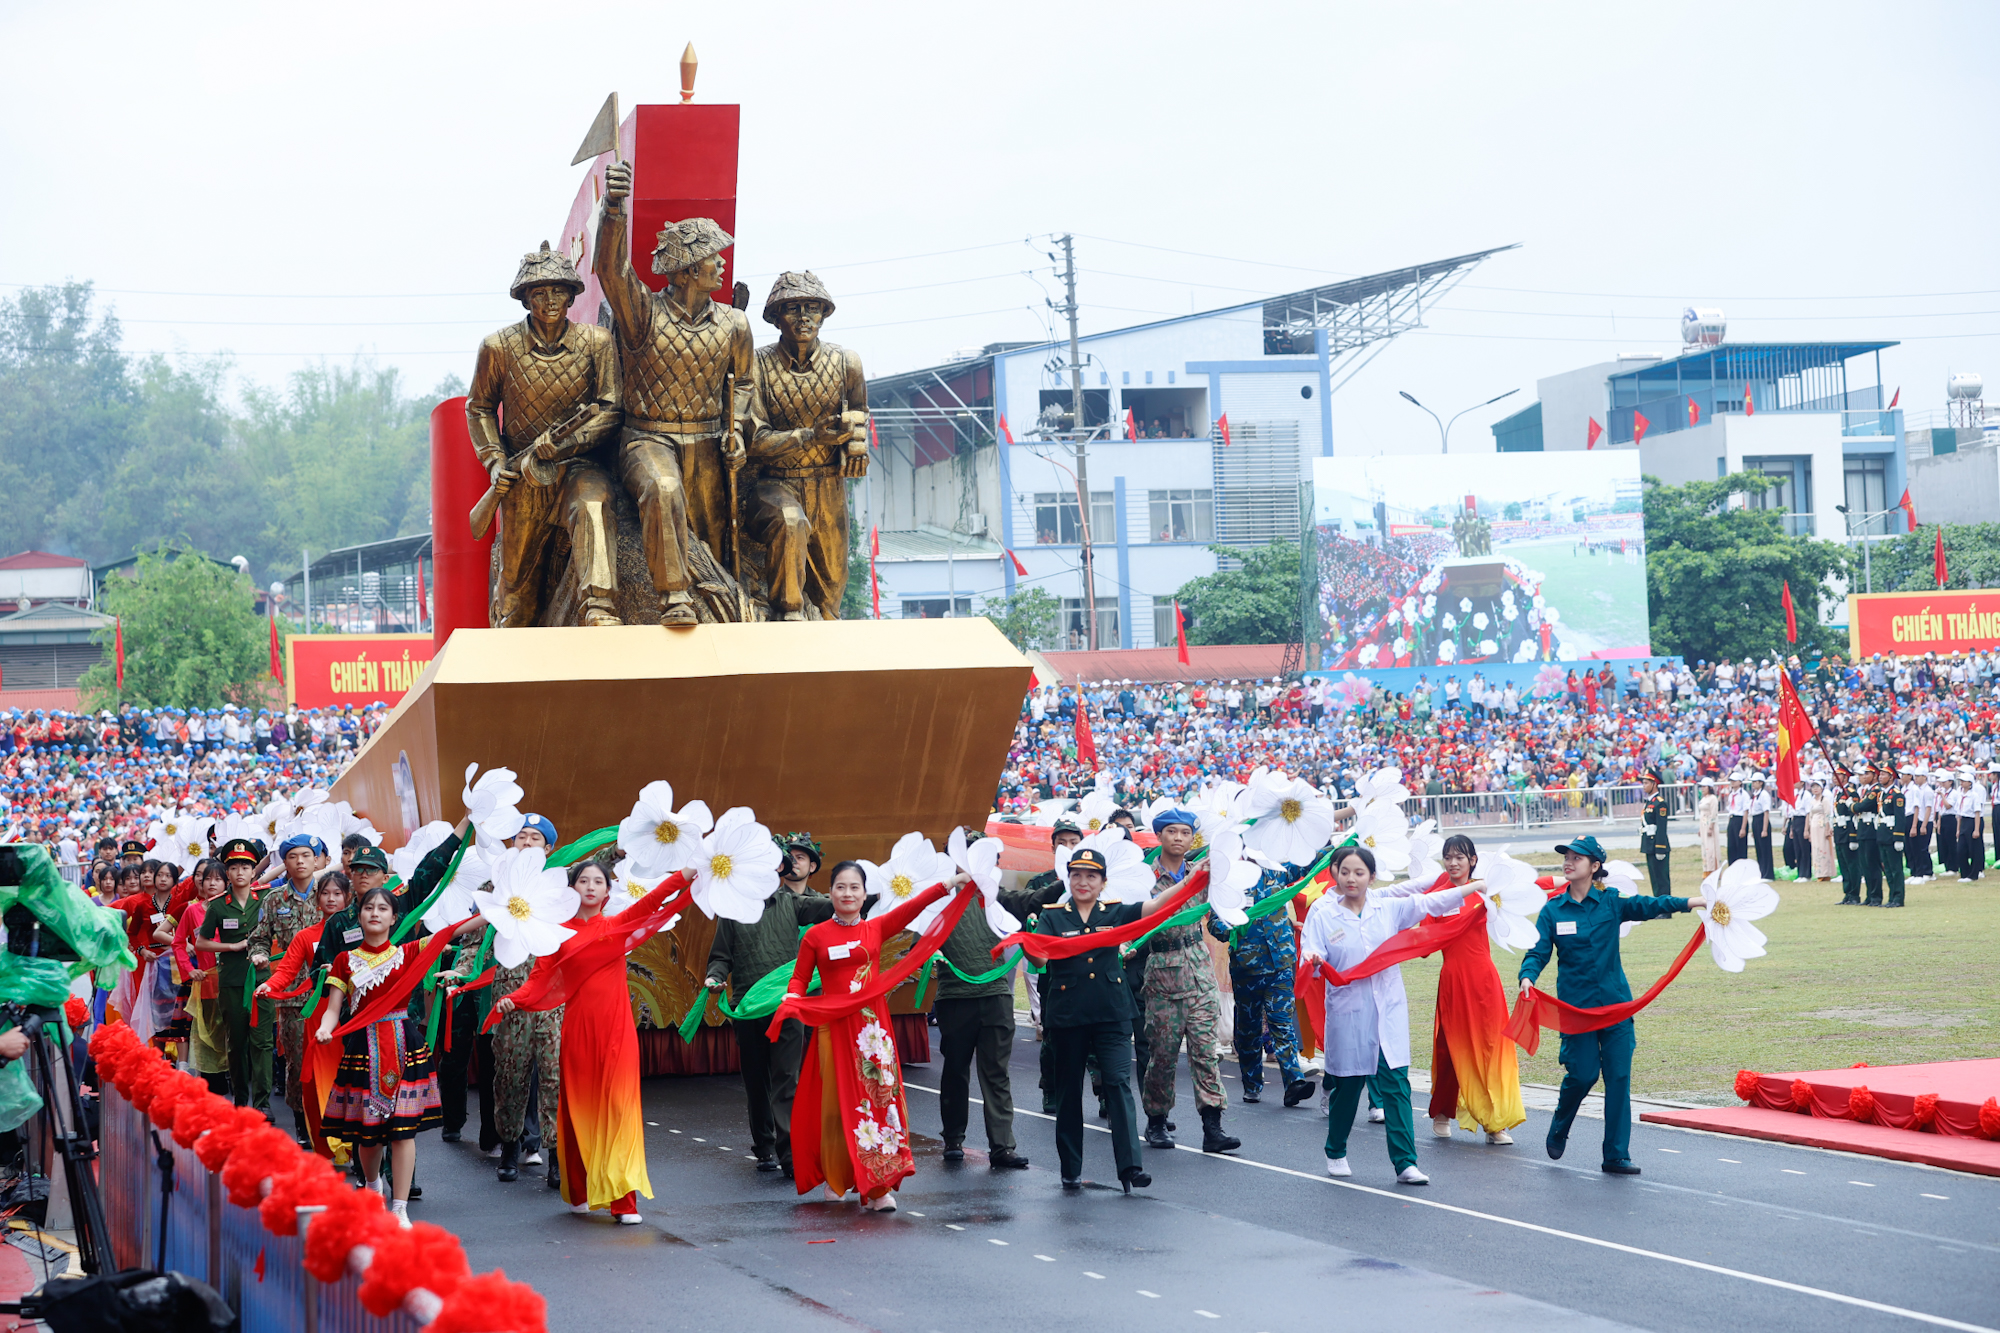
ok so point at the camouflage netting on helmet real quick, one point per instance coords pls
(795, 287)
(685, 244)
(542, 266)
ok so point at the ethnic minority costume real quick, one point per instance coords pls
(318, 1061)
(850, 1125)
(386, 1089)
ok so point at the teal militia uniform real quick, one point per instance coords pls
(1583, 938)
(976, 1023)
(1653, 844)
(1892, 829)
(1263, 962)
(228, 922)
(1087, 1010)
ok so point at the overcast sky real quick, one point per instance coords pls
(284, 183)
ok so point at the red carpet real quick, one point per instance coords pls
(1943, 1114)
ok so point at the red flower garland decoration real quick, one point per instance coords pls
(76, 1013)
(1861, 1103)
(176, 1088)
(311, 1181)
(352, 1218)
(1859, 1064)
(257, 1156)
(1746, 1084)
(1801, 1096)
(195, 1116)
(490, 1303)
(425, 1257)
(1989, 1118)
(1924, 1112)
(140, 1077)
(214, 1147)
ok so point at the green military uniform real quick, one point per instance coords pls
(1867, 808)
(230, 922)
(1041, 885)
(1892, 827)
(282, 915)
(977, 1021)
(1653, 844)
(1086, 1010)
(1847, 846)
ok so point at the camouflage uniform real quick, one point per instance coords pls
(525, 1043)
(1182, 1001)
(1262, 961)
(285, 914)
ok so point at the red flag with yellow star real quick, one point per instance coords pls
(1794, 730)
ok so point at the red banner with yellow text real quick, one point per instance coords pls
(1909, 624)
(333, 670)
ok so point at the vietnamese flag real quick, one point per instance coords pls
(874, 440)
(1794, 730)
(1791, 616)
(1590, 441)
(277, 660)
(1639, 424)
(1897, 399)
(1937, 560)
(1694, 411)
(118, 648)
(1180, 631)
(1019, 568)
(1749, 402)
(1086, 744)
(1131, 425)
(875, 551)
(1005, 434)
(1909, 510)
(1222, 424)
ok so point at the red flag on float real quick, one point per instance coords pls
(1180, 632)
(1019, 568)
(875, 551)
(1005, 434)
(1131, 425)
(1794, 730)
(1791, 616)
(421, 598)
(1222, 424)
(1749, 402)
(1590, 442)
(118, 648)
(1086, 744)
(277, 659)
(1639, 424)
(1909, 510)
(874, 440)
(1938, 559)
(1897, 398)
(1694, 411)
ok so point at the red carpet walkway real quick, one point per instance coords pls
(1939, 1114)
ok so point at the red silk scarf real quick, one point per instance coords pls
(387, 998)
(1537, 1010)
(1426, 937)
(1046, 947)
(817, 1010)
(603, 941)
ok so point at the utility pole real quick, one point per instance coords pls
(1082, 460)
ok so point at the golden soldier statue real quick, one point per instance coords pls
(686, 361)
(811, 435)
(556, 385)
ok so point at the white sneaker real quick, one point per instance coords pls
(579, 1208)
(1499, 1137)
(1441, 1129)
(885, 1204)
(629, 1219)
(400, 1210)
(532, 1159)
(1409, 1175)
(1337, 1166)
(1375, 1116)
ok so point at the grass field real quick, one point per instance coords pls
(1600, 597)
(1837, 985)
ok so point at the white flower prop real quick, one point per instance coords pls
(1623, 877)
(1382, 828)
(247, 827)
(526, 906)
(1426, 852)
(660, 840)
(981, 860)
(1093, 812)
(628, 886)
(273, 818)
(738, 869)
(1512, 901)
(405, 859)
(1737, 895)
(914, 865)
(1222, 807)
(1128, 880)
(493, 803)
(1297, 820)
(1384, 784)
(351, 823)
(1231, 876)
(181, 838)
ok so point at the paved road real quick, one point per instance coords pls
(1720, 1233)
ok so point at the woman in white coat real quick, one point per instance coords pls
(1367, 1036)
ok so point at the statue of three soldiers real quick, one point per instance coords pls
(671, 402)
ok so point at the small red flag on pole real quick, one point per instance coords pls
(874, 440)
(1909, 510)
(1019, 568)
(423, 599)
(1180, 631)
(1131, 425)
(1639, 424)
(875, 550)
(1694, 411)
(277, 659)
(1086, 744)
(1590, 442)
(1005, 434)
(1938, 559)
(1749, 402)
(1897, 398)
(118, 648)
(1791, 616)
(1222, 424)
(1794, 730)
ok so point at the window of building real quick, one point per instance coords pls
(1170, 377)
(1164, 631)
(1149, 377)
(1056, 519)
(1792, 493)
(1126, 377)
(935, 608)
(1867, 493)
(1076, 635)
(1181, 516)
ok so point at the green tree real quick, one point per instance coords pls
(1512, 513)
(1908, 563)
(1027, 618)
(1258, 603)
(1715, 574)
(855, 603)
(192, 639)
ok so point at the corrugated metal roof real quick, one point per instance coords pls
(42, 560)
(936, 544)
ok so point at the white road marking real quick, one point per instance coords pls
(953, 1226)
(699, 1139)
(1047, 1259)
(993, 1241)
(1152, 1295)
(673, 1131)
(916, 1214)
(1788, 1171)
(1674, 1151)
(1731, 1160)
(1867, 1185)
(656, 1124)
(1934, 1196)
(1405, 1197)
(1098, 1276)
(1205, 1314)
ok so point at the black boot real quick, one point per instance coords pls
(555, 1174)
(1156, 1132)
(1130, 1176)
(1212, 1137)
(510, 1161)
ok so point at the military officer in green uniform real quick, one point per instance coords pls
(1064, 834)
(1087, 1010)
(1892, 828)
(1653, 835)
(1847, 838)
(225, 930)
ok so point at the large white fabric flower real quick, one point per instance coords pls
(273, 817)
(526, 906)
(405, 859)
(1231, 876)
(1623, 878)
(1128, 880)
(1382, 828)
(981, 860)
(658, 840)
(475, 871)
(1384, 784)
(1737, 895)
(1093, 812)
(1222, 807)
(914, 865)
(1512, 901)
(1296, 821)
(181, 838)
(493, 803)
(628, 886)
(738, 869)
(1426, 852)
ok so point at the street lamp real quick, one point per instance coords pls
(1867, 547)
(1444, 427)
